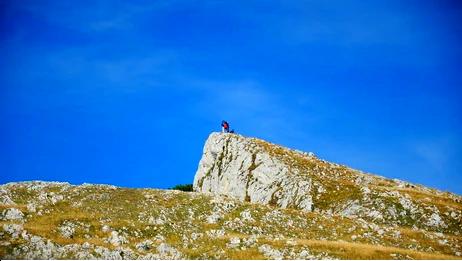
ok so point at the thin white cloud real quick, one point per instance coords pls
(249, 106)
(92, 16)
(436, 153)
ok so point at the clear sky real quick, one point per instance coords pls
(126, 92)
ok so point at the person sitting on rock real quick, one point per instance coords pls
(224, 127)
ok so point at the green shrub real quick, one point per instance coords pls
(184, 187)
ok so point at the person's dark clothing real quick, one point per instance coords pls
(225, 126)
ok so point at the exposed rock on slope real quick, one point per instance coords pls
(329, 211)
(106, 222)
(239, 167)
(253, 170)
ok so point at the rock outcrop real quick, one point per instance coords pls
(253, 170)
(238, 167)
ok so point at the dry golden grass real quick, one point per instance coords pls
(120, 209)
(46, 226)
(349, 250)
(21, 207)
(248, 254)
(434, 198)
(204, 245)
(420, 237)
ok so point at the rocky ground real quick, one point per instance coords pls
(257, 171)
(254, 200)
(58, 220)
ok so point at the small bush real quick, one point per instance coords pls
(184, 187)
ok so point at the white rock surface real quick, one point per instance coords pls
(234, 242)
(116, 239)
(67, 230)
(13, 229)
(236, 166)
(5, 198)
(247, 216)
(435, 221)
(270, 252)
(144, 246)
(168, 252)
(213, 218)
(12, 214)
(215, 233)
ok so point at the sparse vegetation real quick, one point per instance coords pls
(356, 216)
(181, 221)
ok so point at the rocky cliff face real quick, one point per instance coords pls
(241, 168)
(253, 170)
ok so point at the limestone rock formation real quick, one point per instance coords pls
(257, 171)
(239, 167)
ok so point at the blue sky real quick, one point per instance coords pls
(126, 92)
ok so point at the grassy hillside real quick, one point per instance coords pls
(338, 189)
(58, 220)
